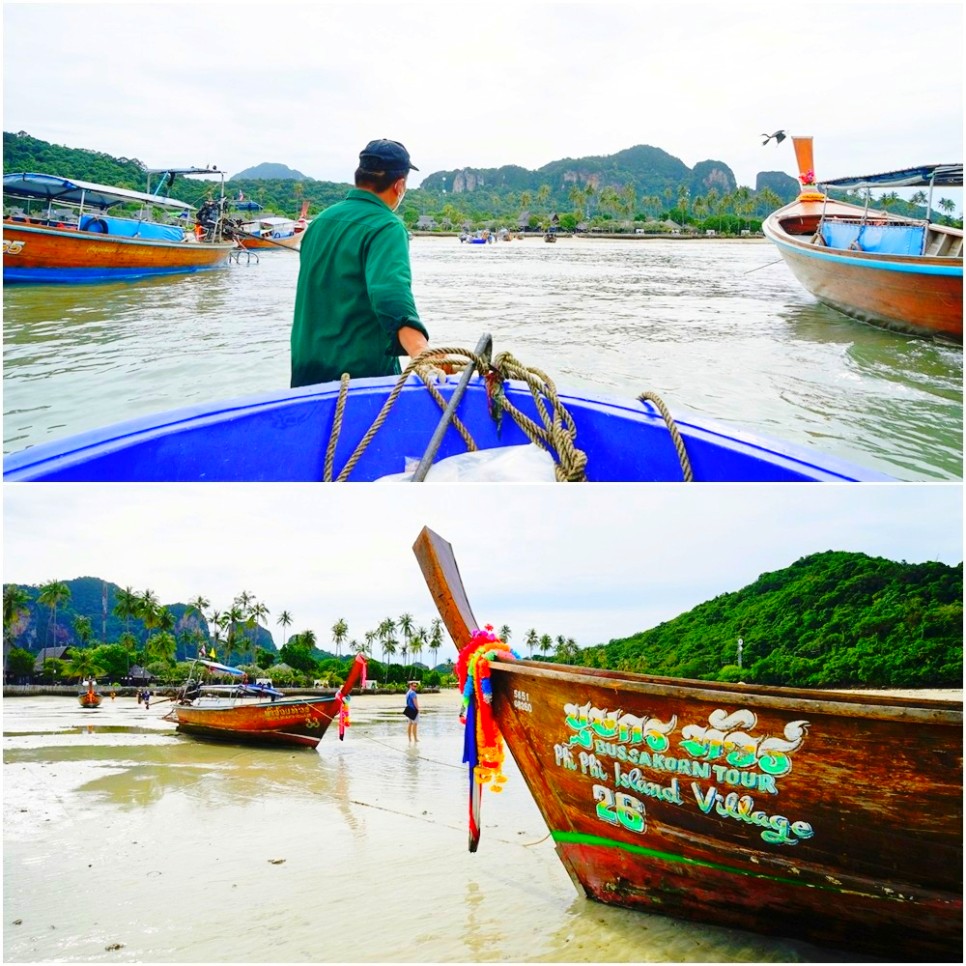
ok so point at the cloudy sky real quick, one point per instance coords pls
(487, 84)
(590, 562)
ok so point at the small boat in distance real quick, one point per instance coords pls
(899, 273)
(246, 713)
(829, 817)
(268, 232)
(84, 232)
(323, 432)
(89, 696)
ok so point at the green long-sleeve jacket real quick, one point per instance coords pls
(354, 293)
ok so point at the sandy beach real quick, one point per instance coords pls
(126, 842)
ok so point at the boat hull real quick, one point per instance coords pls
(40, 254)
(89, 700)
(291, 242)
(281, 722)
(284, 436)
(917, 294)
(787, 812)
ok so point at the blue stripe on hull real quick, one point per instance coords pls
(877, 265)
(57, 276)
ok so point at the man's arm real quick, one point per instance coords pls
(412, 340)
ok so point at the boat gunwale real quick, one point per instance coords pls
(121, 435)
(939, 711)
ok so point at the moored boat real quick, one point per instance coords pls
(368, 429)
(898, 273)
(268, 233)
(256, 714)
(89, 696)
(85, 232)
(823, 816)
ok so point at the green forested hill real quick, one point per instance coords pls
(640, 181)
(832, 619)
(96, 600)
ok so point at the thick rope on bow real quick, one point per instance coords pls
(648, 396)
(558, 430)
(427, 365)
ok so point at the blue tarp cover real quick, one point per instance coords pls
(880, 239)
(132, 228)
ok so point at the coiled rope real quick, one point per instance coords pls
(555, 433)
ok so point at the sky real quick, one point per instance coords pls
(593, 562)
(483, 85)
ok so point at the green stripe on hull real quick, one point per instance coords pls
(578, 838)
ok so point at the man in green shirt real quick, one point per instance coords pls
(354, 306)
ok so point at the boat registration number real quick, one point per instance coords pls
(521, 701)
(12, 247)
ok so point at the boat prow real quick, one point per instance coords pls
(833, 818)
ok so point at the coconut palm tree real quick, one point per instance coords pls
(531, 639)
(417, 642)
(340, 631)
(505, 634)
(160, 647)
(257, 613)
(52, 595)
(82, 628)
(435, 637)
(15, 600)
(82, 665)
(545, 643)
(285, 619)
(126, 607)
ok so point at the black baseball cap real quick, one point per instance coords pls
(383, 155)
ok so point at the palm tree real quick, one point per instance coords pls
(257, 613)
(160, 647)
(285, 619)
(83, 629)
(340, 631)
(15, 600)
(230, 620)
(417, 642)
(82, 665)
(435, 637)
(505, 634)
(51, 595)
(405, 624)
(126, 606)
(545, 643)
(532, 639)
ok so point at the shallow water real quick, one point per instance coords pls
(716, 327)
(118, 832)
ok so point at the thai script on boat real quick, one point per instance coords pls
(287, 711)
(601, 744)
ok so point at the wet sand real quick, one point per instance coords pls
(126, 842)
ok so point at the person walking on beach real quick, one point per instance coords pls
(354, 306)
(412, 711)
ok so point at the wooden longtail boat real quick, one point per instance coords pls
(89, 697)
(815, 815)
(367, 429)
(268, 233)
(86, 242)
(253, 714)
(894, 272)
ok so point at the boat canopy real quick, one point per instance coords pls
(938, 175)
(51, 188)
(222, 668)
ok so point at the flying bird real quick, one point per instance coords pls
(779, 136)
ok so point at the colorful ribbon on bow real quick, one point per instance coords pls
(482, 743)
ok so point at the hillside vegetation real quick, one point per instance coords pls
(832, 619)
